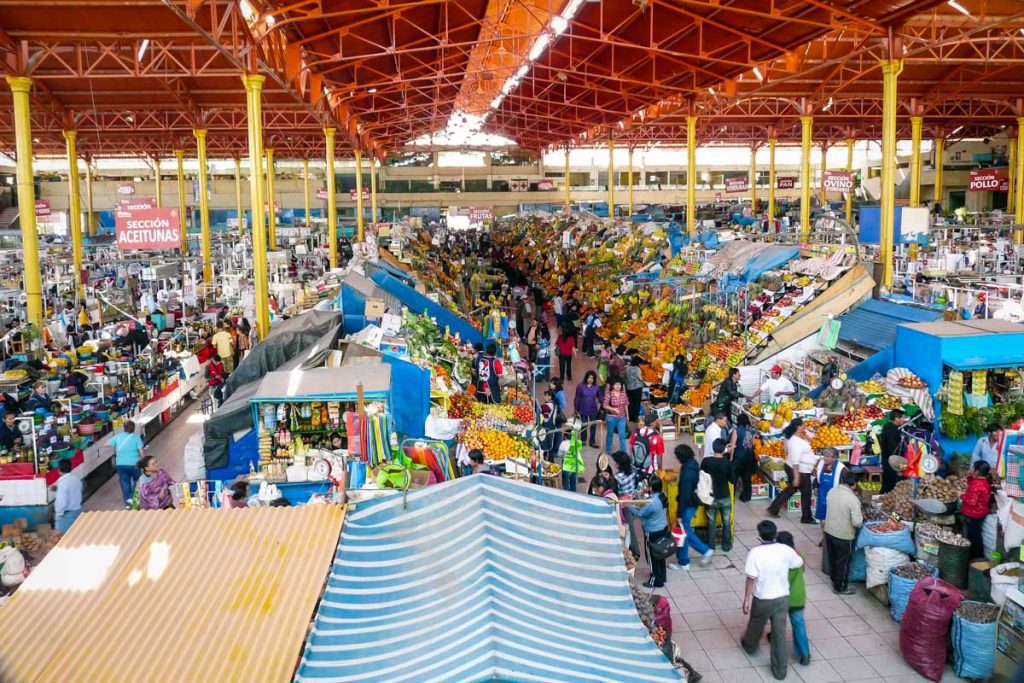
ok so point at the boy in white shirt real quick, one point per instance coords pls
(767, 595)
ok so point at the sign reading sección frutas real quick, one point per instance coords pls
(148, 229)
(838, 181)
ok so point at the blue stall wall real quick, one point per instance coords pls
(871, 224)
(880, 363)
(410, 396)
(921, 354)
(241, 454)
(418, 303)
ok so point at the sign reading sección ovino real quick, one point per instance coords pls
(148, 229)
(838, 181)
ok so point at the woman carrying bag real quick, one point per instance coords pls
(658, 539)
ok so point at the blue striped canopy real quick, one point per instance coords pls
(481, 579)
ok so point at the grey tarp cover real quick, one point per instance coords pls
(287, 339)
(303, 341)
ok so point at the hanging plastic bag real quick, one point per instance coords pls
(924, 630)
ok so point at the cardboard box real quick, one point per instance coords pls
(793, 504)
(375, 308)
(759, 491)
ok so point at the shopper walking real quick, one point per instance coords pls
(128, 451)
(797, 602)
(722, 475)
(587, 404)
(743, 457)
(646, 446)
(566, 346)
(625, 487)
(531, 341)
(828, 473)
(67, 504)
(653, 518)
(843, 517)
(766, 595)
(590, 327)
(718, 429)
(677, 380)
(557, 306)
(634, 388)
(728, 393)
(687, 502)
(615, 404)
(975, 504)
(153, 489)
(489, 371)
(800, 464)
(224, 344)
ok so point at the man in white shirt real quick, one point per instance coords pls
(767, 595)
(557, 306)
(776, 388)
(718, 429)
(67, 504)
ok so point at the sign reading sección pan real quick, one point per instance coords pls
(838, 181)
(785, 183)
(988, 180)
(148, 229)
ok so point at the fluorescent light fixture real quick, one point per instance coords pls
(711, 90)
(828, 105)
(959, 8)
(142, 49)
(371, 90)
(539, 46)
(523, 70)
(247, 11)
(559, 24)
(496, 102)
(270, 20)
(509, 85)
(572, 8)
(956, 130)
(758, 75)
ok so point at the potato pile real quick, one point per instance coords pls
(977, 612)
(929, 486)
(949, 538)
(912, 570)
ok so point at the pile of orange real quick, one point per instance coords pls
(496, 444)
(769, 448)
(829, 435)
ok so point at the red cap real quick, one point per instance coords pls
(777, 368)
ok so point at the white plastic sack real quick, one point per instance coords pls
(879, 562)
(1001, 584)
(989, 532)
(195, 463)
(441, 428)
(1013, 526)
(12, 567)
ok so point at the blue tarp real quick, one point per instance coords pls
(873, 323)
(410, 396)
(418, 303)
(391, 270)
(771, 258)
(480, 579)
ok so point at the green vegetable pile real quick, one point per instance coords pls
(976, 420)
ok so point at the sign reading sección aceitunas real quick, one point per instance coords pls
(148, 229)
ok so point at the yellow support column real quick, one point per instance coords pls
(771, 184)
(75, 211)
(822, 199)
(1011, 149)
(88, 198)
(691, 176)
(611, 178)
(373, 191)
(806, 124)
(271, 204)
(204, 209)
(20, 87)
(158, 185)
(305, 189)
(940, 146)
(629, 175)
(332, 210)
(849, 169)
(915, 159)
(359, 196)
(1019, 194)
(753, 178)
(179, 155)
(253, 87)
(890, 73)
(238, 195)
(568, 183)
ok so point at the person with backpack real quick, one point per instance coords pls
(722, 474)
(689, 475)
(647, 447)
(625, 487)
(655, 524)
(489, 371)
(572, 462)
(677, 380)
(590, 328)
(551, 421)
(743, 457)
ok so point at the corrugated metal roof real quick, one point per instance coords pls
(172, 596)
(481, 579)
(873, 323)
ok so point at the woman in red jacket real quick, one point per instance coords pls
(974, 505)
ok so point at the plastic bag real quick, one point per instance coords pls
(924, 630)
(880, 561)
(989, 534)
(896, 540)
(1013, 526)
(974, 648)
(195, 462)
(1001, 584)
(858, 566)
(899, 592)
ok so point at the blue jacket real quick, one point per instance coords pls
(689, 475)
(652, 515)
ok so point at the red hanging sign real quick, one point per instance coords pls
(126, 188)
(545, 185)
(321, 194)
(148, 229)
(988, 180)
(352, 194)
(42, 208)
(838, 181)
(136, 203)
(785, 183)
(737, 184)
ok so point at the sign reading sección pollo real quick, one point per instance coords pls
(838, 181)
(737, 184)
(988, 180)
(785, 183)
(148, 229)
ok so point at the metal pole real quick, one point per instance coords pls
(332, 211)
(359, 195)
(1011, 150)
(253, 86)
(915, 160)
(75, 212)
(890, 72)
(157, 184)
(179, 154)
(373, 190)
(849, 169)
(305, 189)
(238, 195)
(568, 185)
(1019, 194)
(753, 178)
(88, 197)
(806, 124)
(204, 208)
(271, 205)
(611, 178)
(630, 180)
(691, 173)
(940, 145)
(771, 184)
(20, 86)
